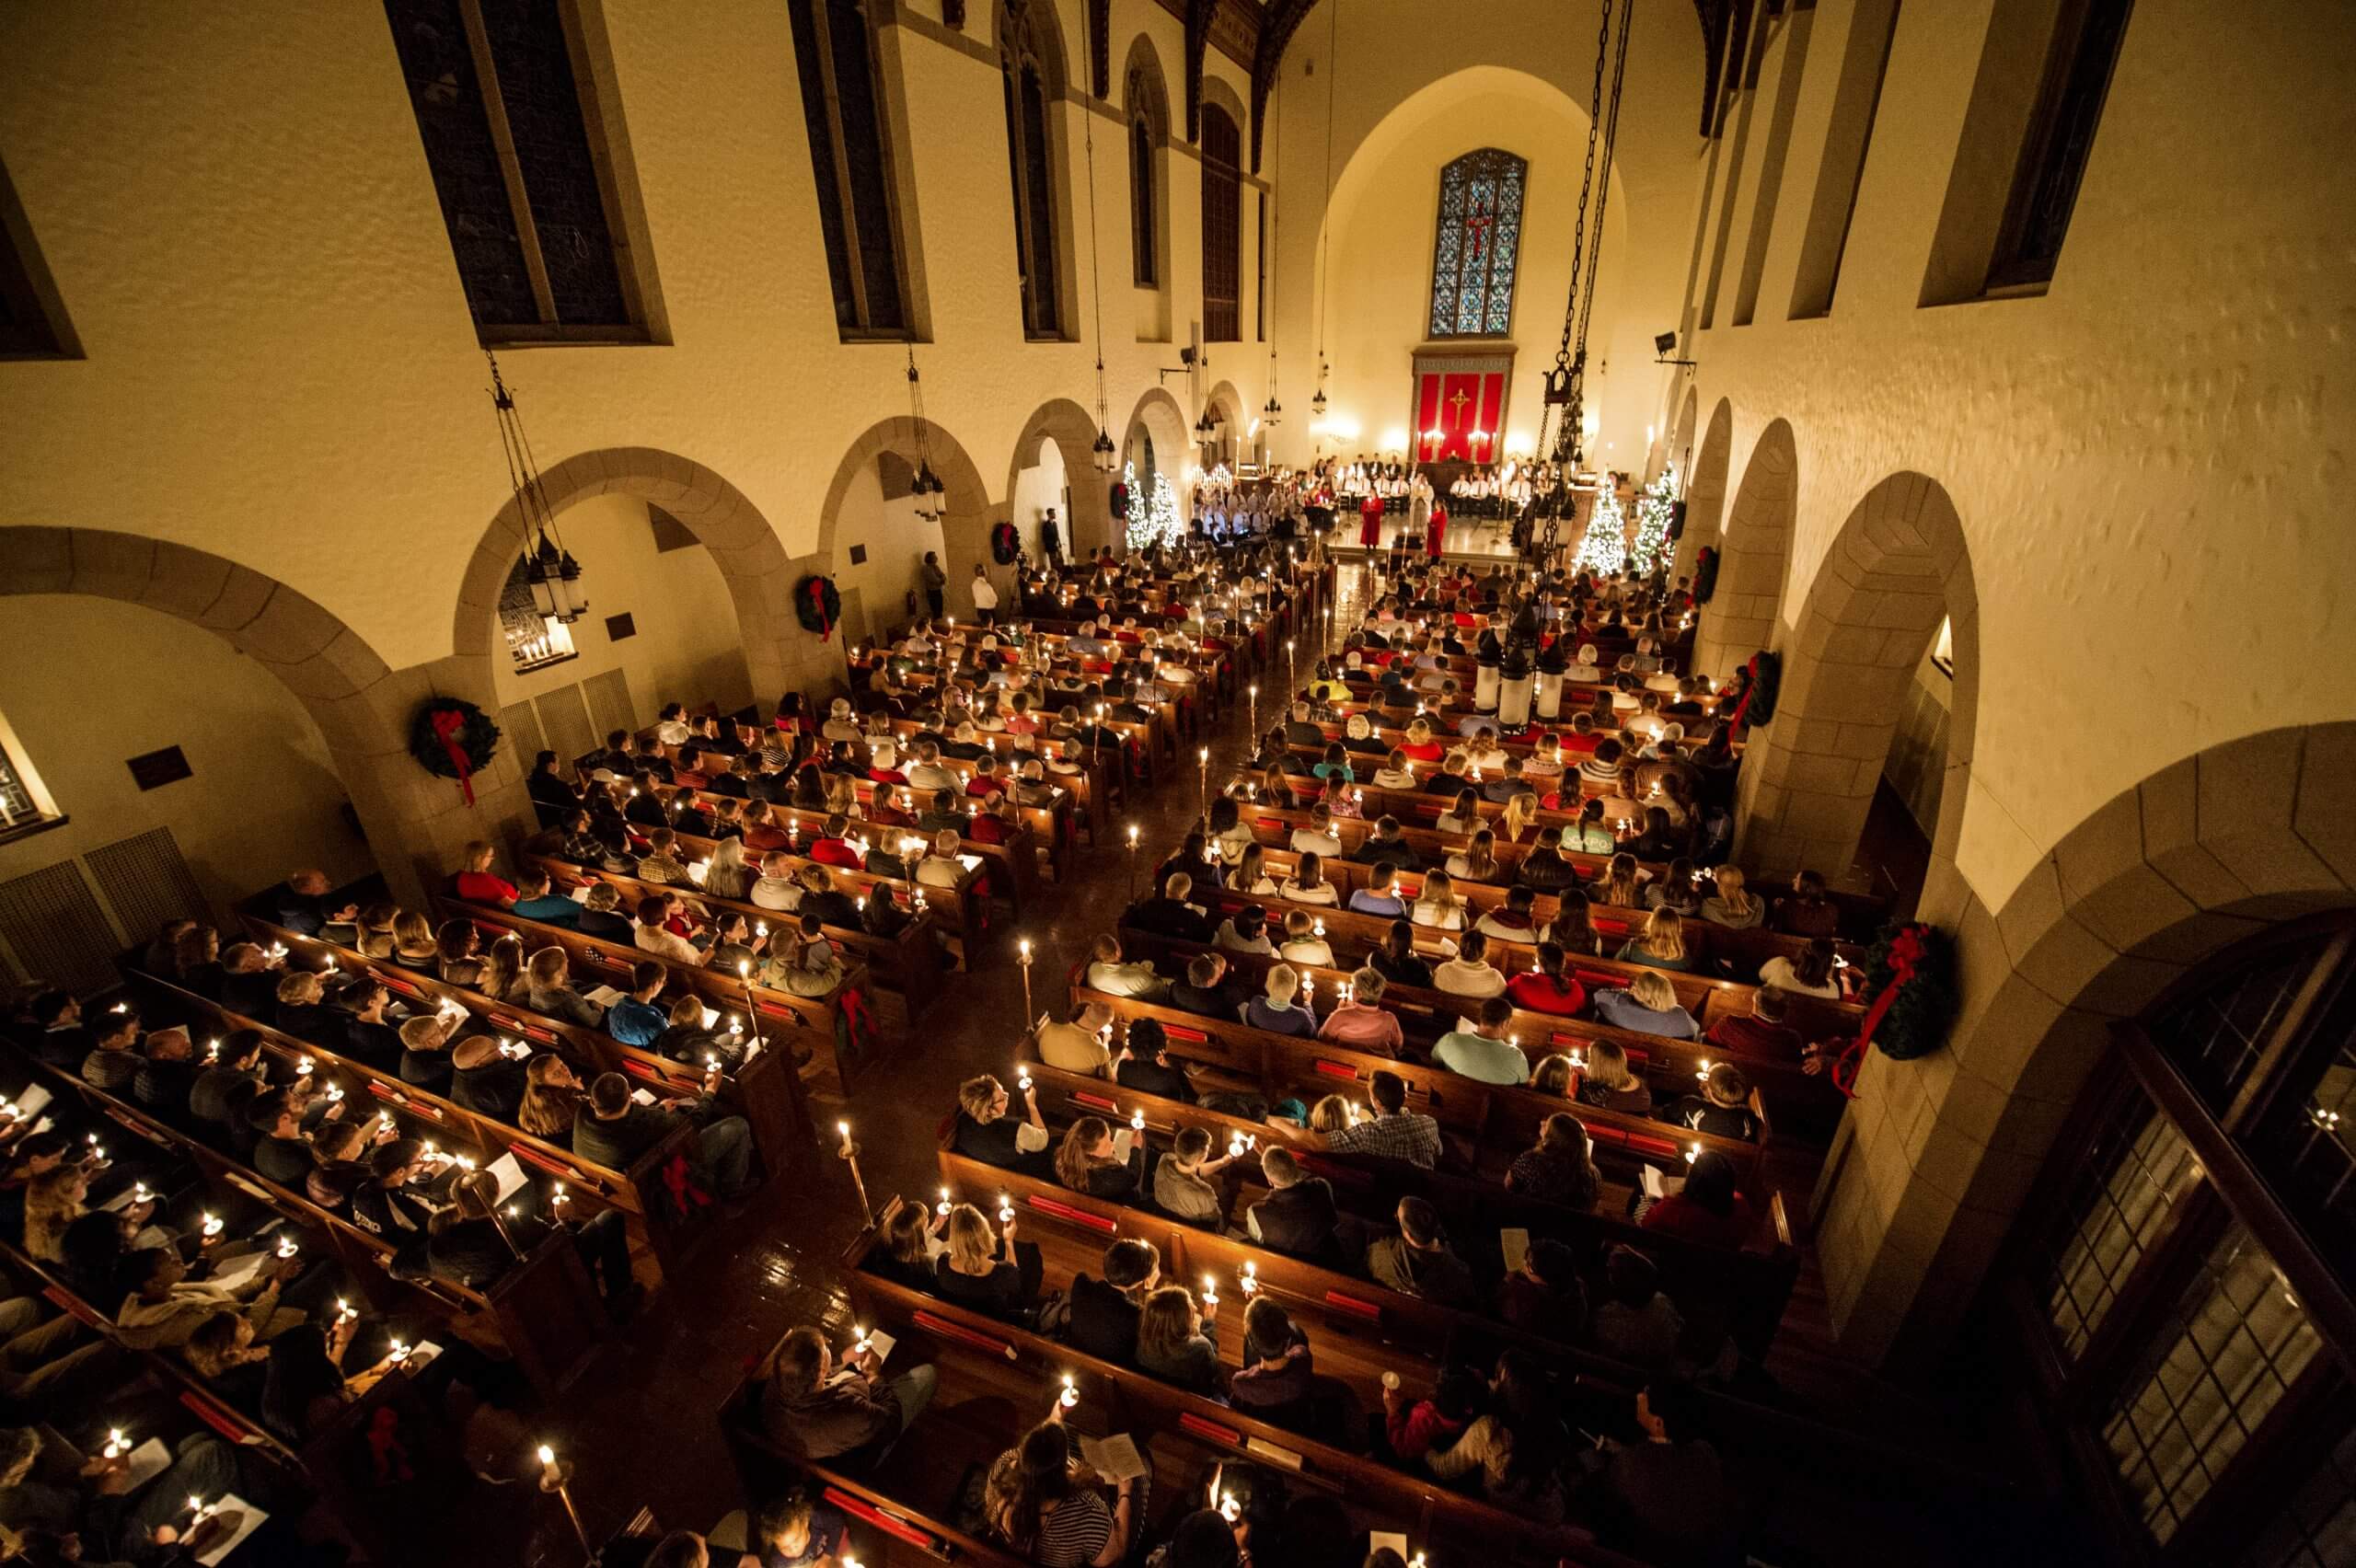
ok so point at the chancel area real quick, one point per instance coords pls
(1616, 829)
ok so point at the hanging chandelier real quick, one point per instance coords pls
(1325, 228)
(1565, 400)
(554, 575)
(1101, 452)
(929, 494)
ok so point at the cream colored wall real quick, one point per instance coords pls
(90, 683)
(896, 540)
(1409, 73)
(1036, 488)
(2148, 458)
(685, 648)
(238, 213)
(1916, 766)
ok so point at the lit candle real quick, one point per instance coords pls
(212, 1226)
(1137, 1121)
(1070, 1396)
(287, 1247)
(1251, 1278)
(1210, 1291)
(1692, 1153)
(549, 1474)
(117, 1444)
(944, 1203)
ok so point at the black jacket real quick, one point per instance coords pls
(1169, 918)
(1298, 1219)
(1102, 1322)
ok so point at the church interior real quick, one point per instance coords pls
(1620, 832)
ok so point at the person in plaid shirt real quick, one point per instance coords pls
(1394, 1132)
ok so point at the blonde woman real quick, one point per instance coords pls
(53, 1201)
(728, 876)
(1329, 1115)
(979, 1270)
(1621, 887)
(1394, 773)
(1465, 815)
(1252, 873)
(1661, 944)
(1172, 1343)
(502, 976)
(1648, 1006)
(551, 1095)
(374, 931)
(1733, 906)
(1420, 746)
(414, 945)
(1438, 906)
(1308, 884)
(842, 795)
(1479, 862)
(1545, 758)
(1521, 818)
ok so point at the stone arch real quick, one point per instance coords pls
(1938, 1153)
(1895, 569)
(362, 709)
(1144, 90)
(1228, 404)
(760, 579)
(965, 523)
(1073, 430)
(1705, 483)
(1216, 90)
(1754, 556)
(1159, 416)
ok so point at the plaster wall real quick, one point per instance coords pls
(897, 540)
(236, 210)
(2145, 458)
(1039, 485)
(686, 647)
(112, 680)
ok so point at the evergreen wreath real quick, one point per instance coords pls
(1753, 690)
(1914, 962)
(1706, 574)
(1004, 544)
(818, 604)
(1119, 499)
(451, 738)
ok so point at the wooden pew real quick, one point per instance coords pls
(637, 1191)
(908, 961)
(1450, 1523)
(544, 1312)
(831, 1039)
(764, 1088)
(1097, 787)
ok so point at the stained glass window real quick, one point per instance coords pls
(1479, 236)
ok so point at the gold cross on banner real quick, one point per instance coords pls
(1458, 403)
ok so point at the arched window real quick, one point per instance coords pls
(1031, 163)
(1480, 234)
(842, 107)
(2178, 1276)
(1222, 226)
(1147, 273)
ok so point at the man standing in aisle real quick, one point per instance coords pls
(934, 582)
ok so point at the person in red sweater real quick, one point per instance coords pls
(997, 823)
(1762, 1033)
(1707, 1208)
(477, 883)
(833, 848)
(1417, 1426)
(884, 765)
(985, 780)
(1549, 990)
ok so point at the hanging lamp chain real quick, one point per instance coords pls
(1562, 382)
(1325, 234)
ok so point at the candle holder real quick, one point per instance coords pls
(752, 1006)
(848, 1154)
(1133, 863)
(1204, 755)
(557, 1478)
(1023, 956)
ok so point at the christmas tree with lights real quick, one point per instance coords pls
(1603, 548)
(1655, 506)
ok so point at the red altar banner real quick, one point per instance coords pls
(1458, 405)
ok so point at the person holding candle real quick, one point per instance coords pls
(985, 1132)
(612, 1129)
(1394, 1132)
(985, 1269)
(1090, 1161)
(817, 1410)
(162, 1306)
(1173, 1344)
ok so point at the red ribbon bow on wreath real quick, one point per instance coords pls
(446, 725)
(1905, 956)
(817, 592)
(1750, 690)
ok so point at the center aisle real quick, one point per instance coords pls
(665, 1379)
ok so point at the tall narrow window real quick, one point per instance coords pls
(1222, 226)
(32, 319)
(2086, 36)
(24, 804)
(516, 145)
(1856, 102)
(1029, 85)
(1478, 241)
(1146, 271)
(842, 105)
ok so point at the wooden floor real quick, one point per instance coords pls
(642, 1422)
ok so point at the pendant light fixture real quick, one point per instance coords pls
(928, 491)
(554, 575)
(1101, 452)
(1325, 228)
